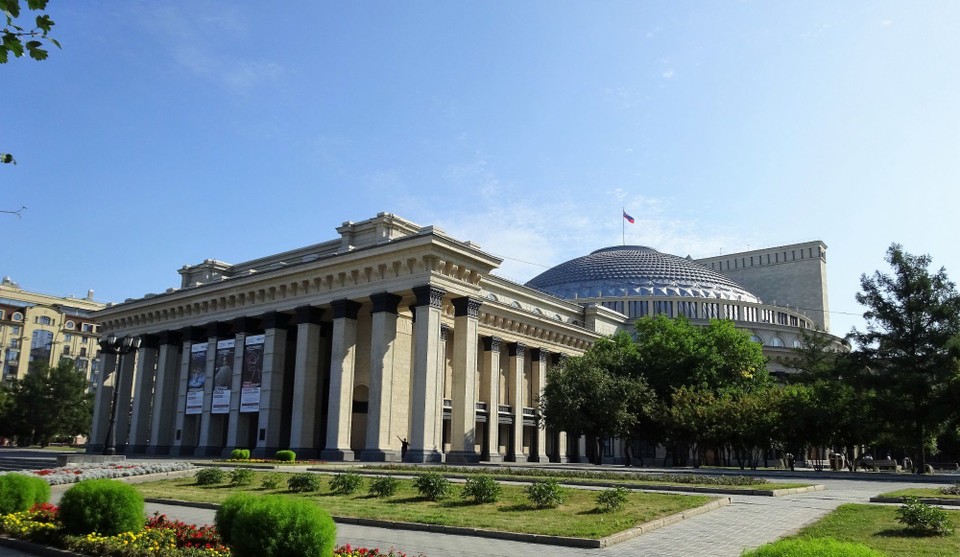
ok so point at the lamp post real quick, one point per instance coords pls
(120, 347)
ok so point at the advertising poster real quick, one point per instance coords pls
(222, 377)
(252, 374)
(197, 377)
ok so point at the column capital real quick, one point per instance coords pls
(275, 320)
(218, 329)
(248, 325)
(345, 308)
(150, 341)
(194, 334)
(467, 306)
(516, 349)
(558, 358)
(309, 315)
(429, 295)
(492, 344)
(170, 337)
(444, 331)
(539, 354)
(385, 302)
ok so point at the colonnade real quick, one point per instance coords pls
(378, 380)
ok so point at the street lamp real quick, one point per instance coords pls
(120, 347)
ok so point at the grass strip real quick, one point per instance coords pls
(920, 493)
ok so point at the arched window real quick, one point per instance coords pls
(756, 339)
(17, 316)
(776, 341)
(44, 320)
(70, 325)
(797, 343)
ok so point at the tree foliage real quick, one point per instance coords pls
(48, 403)
(911, 346)
(18, 39)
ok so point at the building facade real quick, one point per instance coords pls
(39, 328)
(393, 341)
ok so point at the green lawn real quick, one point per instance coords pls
(920, 492)
(577, 517)
(876, 526)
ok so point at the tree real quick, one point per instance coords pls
(18, 40)
(597, 394)
(48, 403)
(911, 346)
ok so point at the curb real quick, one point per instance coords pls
(947, 501)
(37, 549)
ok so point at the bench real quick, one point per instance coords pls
(879, 464)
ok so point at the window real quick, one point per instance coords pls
(17, 316)
(776, 341)
(14, 343)
(88, 328)
(66, 350)
(44, 320)
(70, 325)
(67, 337)
(756, 339)
(83, 351)
(797, 343)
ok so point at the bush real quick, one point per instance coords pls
(345, 484)
(227, 511)
(482, 489)
(610, 500)
(241, 476)
(304, 482)
(210, 476)
(384, 487)
(815, 547)
(545, 494)
(240, 454)
(276, 526)
(285, 456)
(432, 486)
(921, 518)
(105, 506)
(270, 481)
(19, 492)
(951, 489)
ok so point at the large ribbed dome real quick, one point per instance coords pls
(626, 271)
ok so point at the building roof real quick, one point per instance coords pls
(626, 271)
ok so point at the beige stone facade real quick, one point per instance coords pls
(40, 328)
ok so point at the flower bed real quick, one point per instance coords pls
(78, 472)
(160, 537)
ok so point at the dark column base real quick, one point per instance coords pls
(136, 449)
(158, 450)
(305, 453)
(209, 451)
(463, 457)
(264, 452)
(421, 456)
(94, 449)
(337, 454)
(182, 451)
(379, 455)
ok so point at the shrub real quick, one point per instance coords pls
(301, 483)
(228, 511)
(951, 489)
(19, 492)
(210, 476)
(923, 519)
(345, 484)
(610, 500)
(105, 506)
(270, 481)
(285, 456)
(814, 547)
(384, 487)
(432, 486)
(482, 489)
(240, 454)
(276, 526)
(241, 476)
(545, 494)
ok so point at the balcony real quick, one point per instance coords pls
(529, 412)
(504, 409)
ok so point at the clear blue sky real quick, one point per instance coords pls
(164, 133)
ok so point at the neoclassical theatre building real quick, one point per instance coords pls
(395, 341)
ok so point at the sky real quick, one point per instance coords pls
(166, 133)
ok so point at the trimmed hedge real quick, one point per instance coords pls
(240, 454)
(210, 476)
(285, 456)
(813, 547)
(105, 506)
(227, 511)
(19, 492)
(277, 526)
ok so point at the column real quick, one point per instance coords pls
(515, 352)
(101, 403)
(563, 447)
(539, 378)
(239, 423)
(303, 434)
(491, 372)
(163, 421)
(125, 378)
(271, 389)
(183, 439)
(380, 431)
(143, 384)
(211, 435)
(425, 420)
(463, 419)
(342, 363)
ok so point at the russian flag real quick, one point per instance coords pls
(628, 217)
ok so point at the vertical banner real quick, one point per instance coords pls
(198, 373)
(223, 377)
(252, 374)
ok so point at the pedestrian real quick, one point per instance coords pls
(403, 447)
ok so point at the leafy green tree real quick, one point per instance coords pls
(49, 403)
(597, 394)
(19, 40)
(911, 346)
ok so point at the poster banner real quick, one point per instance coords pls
(222, 377)
(252, 374)
(197, 377)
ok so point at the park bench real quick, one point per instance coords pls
(879, 464)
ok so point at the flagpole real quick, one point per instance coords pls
(623, 227)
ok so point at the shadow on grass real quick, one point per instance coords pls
(904, 533)
(520, 507)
